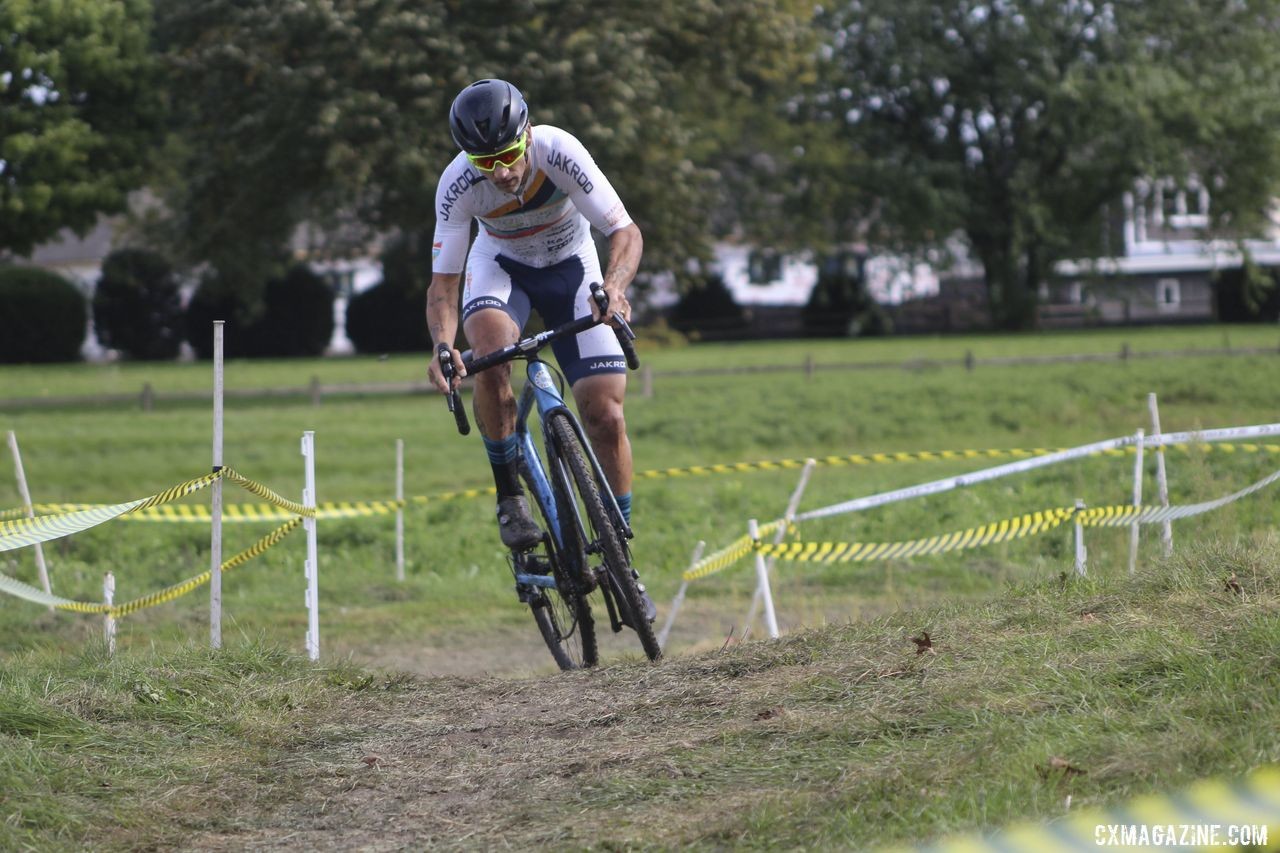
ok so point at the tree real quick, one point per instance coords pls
(311, 110)
(1019, 122)
(79, 113)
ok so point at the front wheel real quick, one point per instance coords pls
(601, 538)
(562, 613)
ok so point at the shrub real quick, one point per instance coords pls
(136, 307)
(216, 299)
(1250, 294)
(42, 316)
(707, 309)
(840, 306)
(298, 315)
(293, 318)
(391, 315)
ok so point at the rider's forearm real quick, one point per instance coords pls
(442, 309)
(625, 248)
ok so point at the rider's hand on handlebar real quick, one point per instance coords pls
(617, 302)
(436, 374)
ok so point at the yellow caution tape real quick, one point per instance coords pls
(1019, 527)
(1234, 814)
(358, 509)
(25, 591)
(1031, 524)
(19, 532)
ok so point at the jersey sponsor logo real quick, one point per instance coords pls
(572, 169)
(436, 248)
(608, 364)
(466, 181)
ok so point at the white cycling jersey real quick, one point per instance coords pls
(549, 221)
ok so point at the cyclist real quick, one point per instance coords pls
(535, 193)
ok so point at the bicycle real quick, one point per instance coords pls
(584, 542)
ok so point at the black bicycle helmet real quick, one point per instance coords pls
(488, 116)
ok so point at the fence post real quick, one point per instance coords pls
(109, 621)
(215, 496)
(25, 493)
(400, 509)
(787, 517)
(1082, 553)
(311, 566)
(679, 599)
(808, 366)
(968, 360)
(646, 382)
(148, 399)
(315, 390)
(1162, 480)
(1137, 501)
(762, 581)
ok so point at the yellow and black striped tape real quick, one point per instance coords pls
(357, 509)
(1236, 814)
(1031, 524)
(189, 585)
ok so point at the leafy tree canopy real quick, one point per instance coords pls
(79, 113)
(317, 109)
(1017, 122)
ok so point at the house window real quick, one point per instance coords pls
(1168, 295)
(764, 267)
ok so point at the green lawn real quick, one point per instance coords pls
(227, 740)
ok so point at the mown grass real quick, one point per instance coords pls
(846, 759)
(458, 590)
(842, 737)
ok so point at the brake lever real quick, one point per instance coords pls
(452, 398)
(621, 329)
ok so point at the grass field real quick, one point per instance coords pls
(456, 615)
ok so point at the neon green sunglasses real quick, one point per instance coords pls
(507, 157)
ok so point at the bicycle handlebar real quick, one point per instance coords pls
(529, 346)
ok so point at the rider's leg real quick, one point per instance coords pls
(599, 400)
(495, 410)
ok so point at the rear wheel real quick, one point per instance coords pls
(562, 614)
(601, 538)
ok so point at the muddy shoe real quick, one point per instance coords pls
(518, 529)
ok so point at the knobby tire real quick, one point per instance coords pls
(562, 614)
(622, 583)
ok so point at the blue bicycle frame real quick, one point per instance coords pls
(542, 392)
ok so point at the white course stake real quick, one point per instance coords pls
(787, 517)
(311, 567)
(31, 511)
(679, 599)
(215, 497)
(400, 509)
(1082, 553)
(1137, 501)
(1162, 480)
(762, 582)
(109, 621)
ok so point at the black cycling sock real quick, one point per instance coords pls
(503, 454)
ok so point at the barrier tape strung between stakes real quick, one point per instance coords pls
(1211, 807)
(17, 533)
(236, 513)
(17, 588)
(1031, 524)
